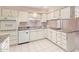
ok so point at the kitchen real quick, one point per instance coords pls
(39, 28)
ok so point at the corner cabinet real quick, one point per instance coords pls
(62, 39)
(66, 41)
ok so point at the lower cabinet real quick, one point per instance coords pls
(36, 34)
(63, 39)
(53, 37)
(45, 33)
(33, 35)
(13, 36)
(66, 41)
(49, 36)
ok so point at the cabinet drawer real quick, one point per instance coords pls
(8, 25)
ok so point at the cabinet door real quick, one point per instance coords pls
(59, 36)
(23, 16)
(49, 34)
(8, 25)
(0, 11)
(77, 11)
(6, 12)
(56, 15)
(40, 34)
(45, 33)
(23, 36)
(14, 13)
(71, 41)
(33, 35)
(53, 36)
(65, 13)
(44, 17)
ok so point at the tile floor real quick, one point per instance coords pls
(36, 46)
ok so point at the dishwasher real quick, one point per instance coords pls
(24, 36)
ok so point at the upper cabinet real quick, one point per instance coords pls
(0, 11)
(23, 16)
(6, 12)
(77, 11)
(34, 16)
(44, 17)
(56, 15)
(50, 16)
(65, 13)
(14, 13)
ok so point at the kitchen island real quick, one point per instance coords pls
(4, 43)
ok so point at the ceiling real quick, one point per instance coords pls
(40, 9)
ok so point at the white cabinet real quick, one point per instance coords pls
(13, 36)
(49, 34)
(6, 12)
(51, 16)
(66, 40)
(0, 11)
(45, 33)
(23, 16)
(62, 39)
(33, 35)
(40, 34)
(23, 36)
(54, 36)
(4, 46)
(56, 15)
(65, 13)
(44, 17)
(59, 36)
(36, 34)
(8, 25)
(77, 11)
(14, 13)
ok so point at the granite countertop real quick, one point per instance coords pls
(3, 37)
(65, 31)
(30, 28)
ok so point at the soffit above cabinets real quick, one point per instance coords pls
(39, 9)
